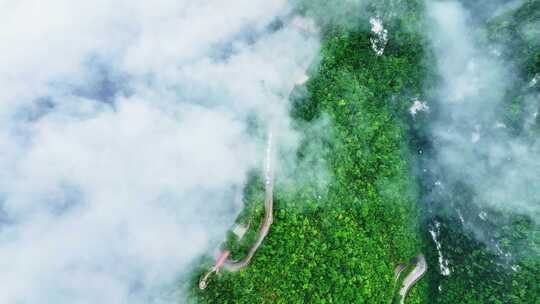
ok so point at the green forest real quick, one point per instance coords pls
(270, 151)
(480, 274)
(341, 243)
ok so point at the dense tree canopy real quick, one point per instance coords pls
(341, 245)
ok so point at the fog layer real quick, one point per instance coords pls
(124, 143)
(472, 143)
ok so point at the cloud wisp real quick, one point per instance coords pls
(125, 137)
(473, 145)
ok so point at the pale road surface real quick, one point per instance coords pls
(308, 28)
(234, 266)
(413, 277)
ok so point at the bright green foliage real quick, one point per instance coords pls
(341, 245)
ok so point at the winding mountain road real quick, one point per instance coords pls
(235, 266)
(223, 260)
(413, 277)
(309, 28)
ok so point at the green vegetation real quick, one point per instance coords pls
(399, 283)
(500, 261)
(250, 217)
(520, 29)
(341, 244)
(419, 286)
(481, 275)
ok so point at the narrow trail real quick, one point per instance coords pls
(413, 277)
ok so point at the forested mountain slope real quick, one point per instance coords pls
(410, 169)
(341, 245)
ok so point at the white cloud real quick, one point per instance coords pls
(473, 146)
(124, 137)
